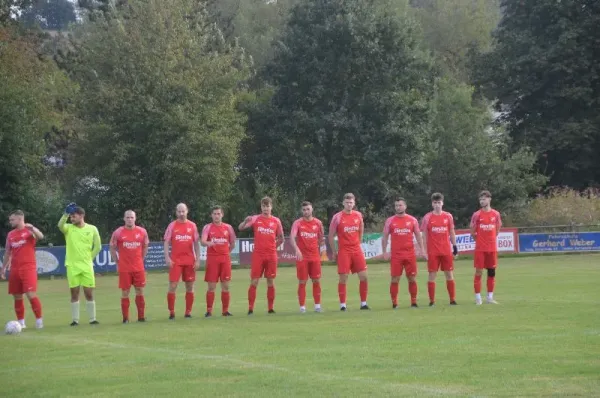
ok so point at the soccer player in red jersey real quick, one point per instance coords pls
(307, 239)
(403, 228)
(348, 225)
(219, 238)
(128, 248)
(268, 234)
(20, 254)
(438, 230)
(485, 227)
(184, 259)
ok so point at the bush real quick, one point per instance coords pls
(559, 206)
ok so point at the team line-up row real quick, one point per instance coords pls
(435, 238)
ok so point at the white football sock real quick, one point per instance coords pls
(91, 310)
(478, 296)
(75, 311)
(363, 303)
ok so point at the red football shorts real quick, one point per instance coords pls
(440, 263)
(353, 262)
(133, 278)
(218, 268)
(21, 281)
(401, 264)
(186, 273)
(263, 265)
(308, 268)
(486, 260)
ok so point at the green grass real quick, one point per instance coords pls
(542, 340)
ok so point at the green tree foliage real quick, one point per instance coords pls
(350, 106)
(544, 71)
(32, 86)
(257, 24)
(10, 9)
(49, 14)
(159, 89)
(453, 30)
(469, 156)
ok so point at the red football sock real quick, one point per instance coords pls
(394, 288)
(125, 307)
(20, 309)
(171, 302)
(451, 286)
(491, 282)
(210, 300)
(225, 301)
(36, 306)
(271, 296)
(413, 289)
(342, 292)
(317, 292)
(431, 291)
(140, 303)
(302, 294)
(189, 302)
(251, 297)
(477, 283)
(363, 288)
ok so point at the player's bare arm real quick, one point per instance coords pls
(361, 230)
(293, 236)
(473, 226)
(420, 243)
(322, 240)
(384, 244)
(167, 257)
(197, 251)
(245, 224)
(145, 248)
(232, 239)
(332, 243)
(113, 251)
(36, 232)
(453, 241)
(498, 224)
(205, 242)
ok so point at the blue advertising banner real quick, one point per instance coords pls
(561, 242)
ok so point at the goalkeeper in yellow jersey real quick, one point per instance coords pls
(83, 245)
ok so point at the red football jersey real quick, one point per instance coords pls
(309, 235)
(266, 229)
(487, 225)
(130, 245)
(348, 227)
(182, 236)
(437, 229)
(21, 243)
(223, 237)
(402, 230)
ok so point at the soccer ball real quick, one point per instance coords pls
(12, 327)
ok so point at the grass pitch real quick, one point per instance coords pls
(542, 340)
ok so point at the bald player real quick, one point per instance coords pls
(183, 259)
(128, 248)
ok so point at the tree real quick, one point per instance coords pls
(159, 89)
(31, 87)
(10, 10)
(543, 71)
(470, 156)
(49, 14)
(454, 30)
(350, 105)
(257, 24)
